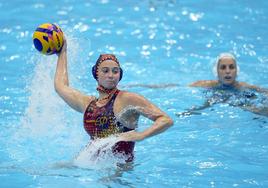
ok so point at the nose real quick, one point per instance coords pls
(227, 70)
(110, 74)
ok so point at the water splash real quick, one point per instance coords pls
(98, 154)
(129, 123)
(46, 132)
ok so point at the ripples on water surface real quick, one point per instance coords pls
(156, 42)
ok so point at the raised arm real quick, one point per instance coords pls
(72, 97)
(145, 108)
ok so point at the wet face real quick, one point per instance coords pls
(108, 74)
(227, 71)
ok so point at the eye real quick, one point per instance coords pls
(115, 70)
(222, 67)
(231, 67)
(104, 70)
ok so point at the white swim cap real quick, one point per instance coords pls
(221, 56)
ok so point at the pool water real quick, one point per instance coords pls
(157, 42)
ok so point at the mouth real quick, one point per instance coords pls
(110, 82)
(228, 78)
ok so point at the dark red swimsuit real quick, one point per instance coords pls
(100, 122)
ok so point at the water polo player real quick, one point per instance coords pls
(113, 112)
(226, 89)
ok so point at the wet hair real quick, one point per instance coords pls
(220, 57)
(104, 57)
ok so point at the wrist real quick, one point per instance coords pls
(141, 136)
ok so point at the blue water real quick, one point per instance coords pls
(156, 42)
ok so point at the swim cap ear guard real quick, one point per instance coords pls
(102, 58)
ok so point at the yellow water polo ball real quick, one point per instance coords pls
(48, 38)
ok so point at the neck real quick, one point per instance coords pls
(228, 86)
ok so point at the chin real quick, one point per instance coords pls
(110, 86)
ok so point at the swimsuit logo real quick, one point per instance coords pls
(106, 126)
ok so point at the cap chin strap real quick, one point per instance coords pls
(102, 89)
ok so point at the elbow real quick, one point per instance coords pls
(58, 92)
(59, 88)
(168, 121)
(171, 122)
(60, 84)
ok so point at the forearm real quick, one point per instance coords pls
(160, 125)
(61, 77)
(195, 110)
(74, 98)
(260, 111)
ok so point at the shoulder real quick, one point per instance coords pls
(204, 83)
(131, 98)
(126, 95)
(246, 85)
(249, 86)
(243, 84)
(131, 102)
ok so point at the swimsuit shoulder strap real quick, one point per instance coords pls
(111, 102)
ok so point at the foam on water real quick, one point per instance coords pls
(98, 154)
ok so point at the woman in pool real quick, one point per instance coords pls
(113, 112)
(227, 68)
(227, 87)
